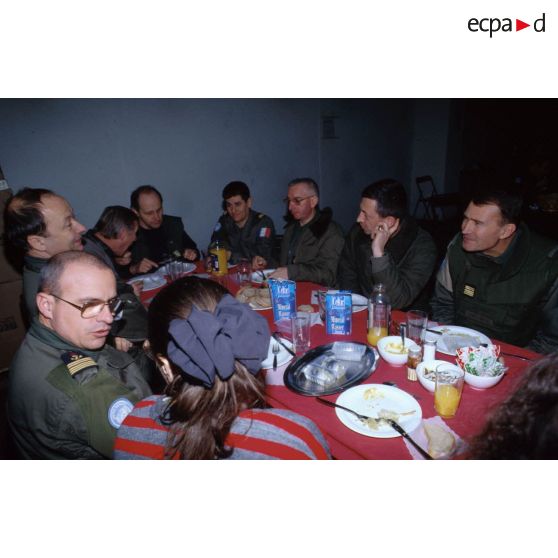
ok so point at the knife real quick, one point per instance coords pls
(403, 433)
(275, 336)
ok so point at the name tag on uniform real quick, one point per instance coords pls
(469, 290)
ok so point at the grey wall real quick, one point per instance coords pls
(95, 152)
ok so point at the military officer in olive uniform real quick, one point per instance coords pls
(69, 391)
(245, 232)
(499, 277)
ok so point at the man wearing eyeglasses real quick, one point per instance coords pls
(312, 242)
(69, 391)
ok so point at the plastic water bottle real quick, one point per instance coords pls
(379, 314)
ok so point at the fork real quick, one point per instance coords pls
(275, 350)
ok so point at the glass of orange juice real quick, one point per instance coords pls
(375, 333)
(447, 393)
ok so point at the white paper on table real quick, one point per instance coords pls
(419, 436)
(275, 377)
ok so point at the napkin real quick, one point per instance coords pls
(420, 438)
(275, 377)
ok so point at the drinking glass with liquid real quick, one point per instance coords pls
(379, 314)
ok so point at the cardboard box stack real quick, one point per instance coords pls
(12, 328)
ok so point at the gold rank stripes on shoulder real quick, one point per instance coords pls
(469, 290)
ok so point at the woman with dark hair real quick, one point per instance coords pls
(209, 348)
(525, 426)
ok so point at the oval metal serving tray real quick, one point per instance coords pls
(330, 368)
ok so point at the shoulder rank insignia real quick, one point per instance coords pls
(76, 361)
(469, 290)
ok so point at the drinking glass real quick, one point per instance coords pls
(447, 392)
(416, 325)
(322, 304)
(300, 324)
(244, 272)
(175, 270)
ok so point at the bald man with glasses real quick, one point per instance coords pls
(69, 391)
(312, 242)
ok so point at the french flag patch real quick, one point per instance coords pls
(265, 232)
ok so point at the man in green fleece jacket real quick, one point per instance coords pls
(312, 241)
(387, 246)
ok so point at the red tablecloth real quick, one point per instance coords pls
(346, 444)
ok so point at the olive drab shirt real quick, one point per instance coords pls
(256, 238)
(67, 403)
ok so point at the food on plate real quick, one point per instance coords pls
(441, 443)
(373, 393)
(306, 308)
(481, 361)
(383, 415)
(256, 298)
(397, 348)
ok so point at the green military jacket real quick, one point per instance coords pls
(256, 238)
(513, 298)
(405, 268)
(67, 403)
(315, 254)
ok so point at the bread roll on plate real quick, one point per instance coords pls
(441, 443)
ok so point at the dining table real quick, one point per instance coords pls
(474, 408)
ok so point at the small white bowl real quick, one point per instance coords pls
(396, 359)
(483, 382)
(432, 365)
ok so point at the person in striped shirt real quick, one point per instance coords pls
(209, 348)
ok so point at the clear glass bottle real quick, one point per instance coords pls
(218, 253)
(379, 314)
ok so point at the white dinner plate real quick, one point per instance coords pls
(387, 398)
(150, 281)
(465, 333)
(187, 267)
(360, 303)
(283, 356)
(257, 275)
